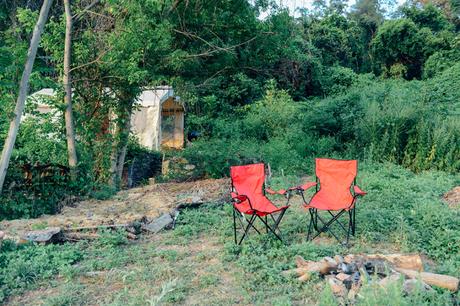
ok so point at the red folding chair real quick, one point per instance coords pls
(336, 193)
(249, 199)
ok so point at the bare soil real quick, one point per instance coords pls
(126, 206)
(453, 197)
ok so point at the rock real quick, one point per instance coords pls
(410, 285)
(349, 258)
(189, 167)
(158, 224)
(348, 268)
(182, 160)
(338, 288)
(353, 292)
(2, 235)
(342, 277)
(50, 234)
(195, 199)
(338, 259)
(392, 278)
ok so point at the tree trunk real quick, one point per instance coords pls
(23, 91)
(119, 147)
(124, 149)
(69, 125)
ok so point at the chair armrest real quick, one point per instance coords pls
(358, 191)
(307, 186)
(301, 188)
(271, 191)
(238, 198)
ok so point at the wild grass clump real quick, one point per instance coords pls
(21, 266)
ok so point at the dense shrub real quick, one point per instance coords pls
(411, 123)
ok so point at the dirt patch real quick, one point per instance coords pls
(453, 197)
(126, 206)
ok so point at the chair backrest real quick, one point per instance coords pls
(248, 180)
(336, 178)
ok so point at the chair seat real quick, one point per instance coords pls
(261, 206)
(331, 201)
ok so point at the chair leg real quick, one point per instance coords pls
(277, 227)
(315, 223)
(271, 229)
(266, 221)
(350, 225)
(326, 225)
(310, 225)
(338, 221)
(234, 225)
(253, 217)
(353, 230)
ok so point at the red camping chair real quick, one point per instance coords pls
(249, 199)
(336, 193)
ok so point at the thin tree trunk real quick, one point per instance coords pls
(23, 91)
(119, 148)
(124, 149)
(114, 153)
(69, 125)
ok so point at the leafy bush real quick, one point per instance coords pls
(270, 130)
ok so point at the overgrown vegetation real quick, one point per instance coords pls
(410, 123)
(198, 261)
(373, 82)
(283, 89)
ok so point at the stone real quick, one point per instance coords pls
(193, 199)
(50, 234)
(353, 292)
(390, 279)
(2, 235)
(338, 259)
(338, 288)
(158, 224)
(411, 285)
(342, 277)
(189, 167)
(349, 258)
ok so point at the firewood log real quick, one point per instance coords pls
(439, 280)
(304, 278)
(323, 266)
(409, 261)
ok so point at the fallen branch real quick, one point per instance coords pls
(96, 227)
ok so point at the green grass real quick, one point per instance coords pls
(198, 263)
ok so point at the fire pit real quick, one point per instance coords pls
(346, 274)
